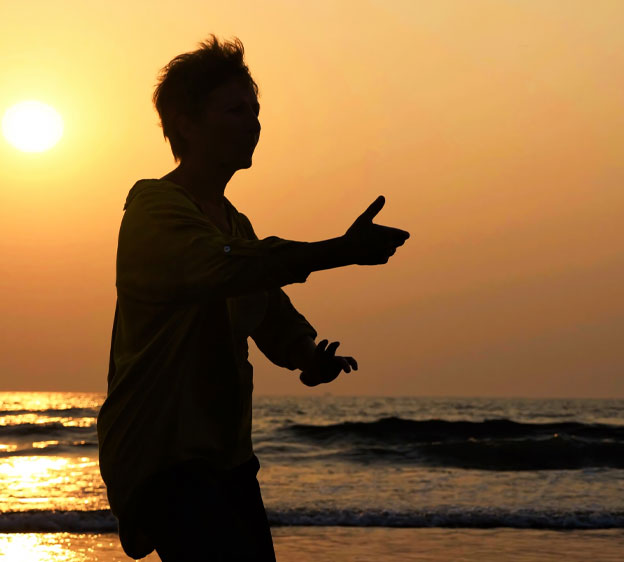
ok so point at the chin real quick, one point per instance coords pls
(246, 163)
(243, 162)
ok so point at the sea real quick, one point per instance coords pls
(351, 478)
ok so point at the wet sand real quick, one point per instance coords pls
(355, 544)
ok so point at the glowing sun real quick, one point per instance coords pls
(32, 126)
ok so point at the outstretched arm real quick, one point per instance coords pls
(169, 251)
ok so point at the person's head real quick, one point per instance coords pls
(207, 101)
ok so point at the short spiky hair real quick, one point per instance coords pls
(184, 83)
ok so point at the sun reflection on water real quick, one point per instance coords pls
(43, 444)
(49, 400)
(31, 469)
(51, 483)
(66, 547)
(34, 547)
(40, 419)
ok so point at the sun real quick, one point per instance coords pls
(32, 126)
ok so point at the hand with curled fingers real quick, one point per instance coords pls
(373, 244)
(324, 365)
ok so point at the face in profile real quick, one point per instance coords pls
(228, 129)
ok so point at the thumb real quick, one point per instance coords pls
(373, 209)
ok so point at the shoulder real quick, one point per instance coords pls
(148, 191)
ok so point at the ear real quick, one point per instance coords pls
(185, 126)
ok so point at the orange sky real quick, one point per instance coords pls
(495, 129)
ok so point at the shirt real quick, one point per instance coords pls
(188, 297)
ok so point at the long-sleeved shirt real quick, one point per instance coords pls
(188, 297)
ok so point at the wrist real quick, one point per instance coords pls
(305, 379)
(302, 352)
(329, 254)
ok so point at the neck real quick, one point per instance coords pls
(205, 183)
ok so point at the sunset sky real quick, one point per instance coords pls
(495, 129)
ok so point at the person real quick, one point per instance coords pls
(193, 283)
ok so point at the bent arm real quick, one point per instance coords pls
(284, 334)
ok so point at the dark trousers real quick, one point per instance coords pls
(193, 514)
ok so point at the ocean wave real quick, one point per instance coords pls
(474, 518)
(55, 412)
(45, 439)
(52, 449)
(396, 429)
(498, 444)
(50, 429)
(103, 521)
(44, 521)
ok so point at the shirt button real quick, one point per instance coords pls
(226, 249)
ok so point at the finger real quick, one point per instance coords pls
(400, 241)
(394, 236)
(392, 231)
(344, 364)
(399, 236)
(320, 348)
(373, 209)
(353, 363)
(331, 348)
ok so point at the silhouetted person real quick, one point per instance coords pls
(193, 283)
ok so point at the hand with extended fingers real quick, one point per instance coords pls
(373, 244)
(324, 365)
